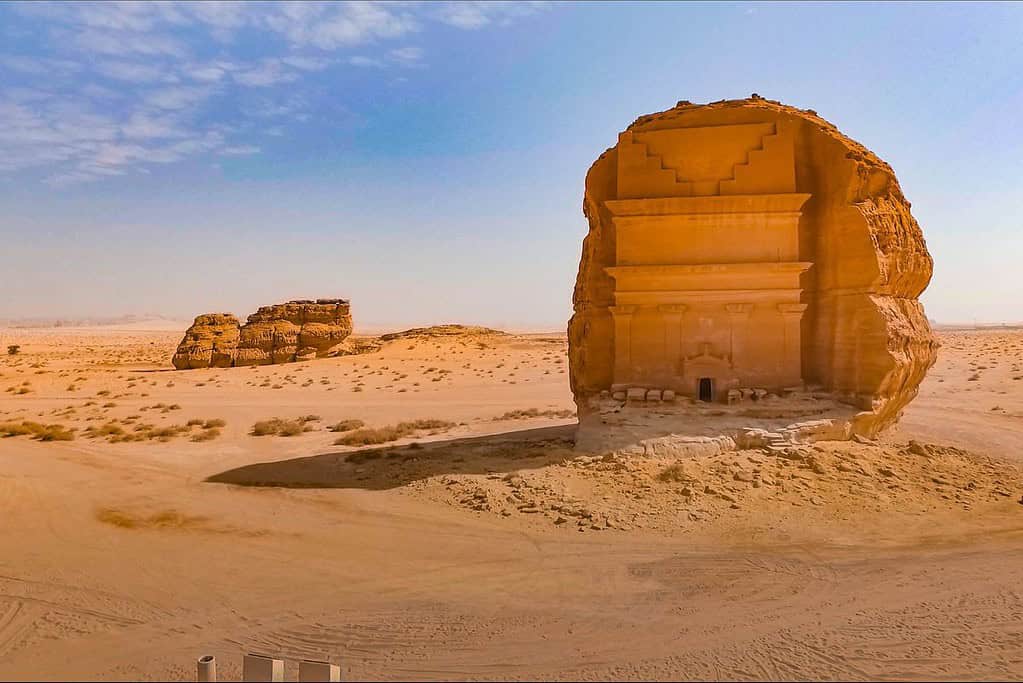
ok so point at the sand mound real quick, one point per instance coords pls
(443, 331)
(832, 482)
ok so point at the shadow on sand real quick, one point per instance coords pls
(390, 467)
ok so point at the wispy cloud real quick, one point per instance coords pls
(473, 15)
(104, 89)
(407, 56)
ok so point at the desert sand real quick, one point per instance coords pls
(481, 544)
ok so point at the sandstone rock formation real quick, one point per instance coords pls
(282, 333)
(746, 248)
(210, 342)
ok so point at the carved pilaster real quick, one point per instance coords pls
(623, 342)
(672, 314)
(792, 315)
(738, 318)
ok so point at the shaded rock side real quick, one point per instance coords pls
(282, 333)
(210, 342)
(864, 335)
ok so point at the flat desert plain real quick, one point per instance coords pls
(479, 544)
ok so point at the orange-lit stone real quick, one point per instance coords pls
(744, 249)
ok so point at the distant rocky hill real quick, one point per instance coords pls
(441, 331)
(281, 333)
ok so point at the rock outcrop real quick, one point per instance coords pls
(211, 342)
(749, 247)
(282, 333)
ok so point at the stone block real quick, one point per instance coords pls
(309, 670)
(262, 668)
(653, 395)
(668, 395)
(636, 394)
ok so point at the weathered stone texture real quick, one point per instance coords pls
(210, 342)
(282, 333)
(847, 276)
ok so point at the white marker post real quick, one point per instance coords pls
(258, 668)
(314, 671)
(206, 669)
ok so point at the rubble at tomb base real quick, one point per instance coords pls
(282, 333)
(745, 253)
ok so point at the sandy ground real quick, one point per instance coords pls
(488, 548)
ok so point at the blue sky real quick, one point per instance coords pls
(427, 159)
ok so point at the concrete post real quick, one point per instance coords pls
(206, 669)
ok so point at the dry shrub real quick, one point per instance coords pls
(280, 427)
(370, 436)
(674, 473)
(535, 412)
(39, 432)
(346, 425)
(206, 435)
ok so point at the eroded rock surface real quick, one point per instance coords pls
(746, 249)
(282, 333)
(211, 342)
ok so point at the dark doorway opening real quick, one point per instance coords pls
(706, 389)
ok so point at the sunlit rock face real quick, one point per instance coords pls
(211, 342)
(282, 333)
(745, 252)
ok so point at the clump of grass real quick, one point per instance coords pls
(346, 425)
(673, 473)
(535, 412)
(110, 429)
(206, 435)
(39, 432)
(215, 423)
(281, 427)
(377, 435)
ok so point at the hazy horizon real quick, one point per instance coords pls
(426, 161)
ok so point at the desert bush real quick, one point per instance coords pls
(425, 424)
(291, 428)
(346, 425)
(40, 432)
(108, 429)
(279, 427)
(13, 349)
(215, 423)
(371, 436)
(673, 473)
(535, 412)
(206, 435)
(55, 433)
